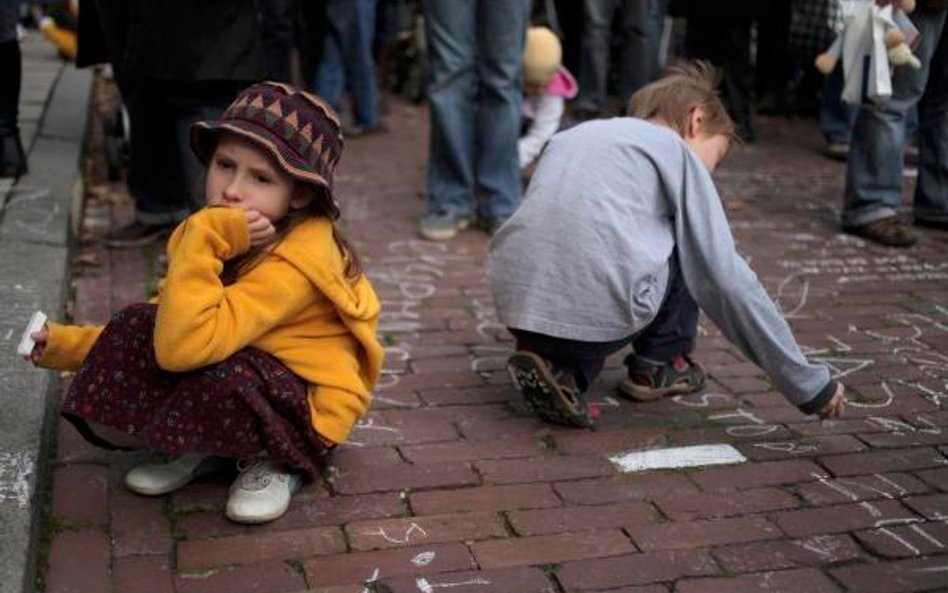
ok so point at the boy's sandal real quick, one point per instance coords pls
(650, 380)
(549, 397)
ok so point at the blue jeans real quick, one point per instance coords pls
(638, 58)
(347, 62)
(874, 174)
(476, 51)
(838, 118)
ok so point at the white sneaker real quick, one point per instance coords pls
(261, 493)
(155, 479)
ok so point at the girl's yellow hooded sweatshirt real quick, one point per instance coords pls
(295, 304)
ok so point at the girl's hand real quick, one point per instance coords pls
(261, 229)
(834, 408)
(40, 338)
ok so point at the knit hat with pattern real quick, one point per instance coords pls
(298, 129)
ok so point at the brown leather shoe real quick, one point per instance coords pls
(890, 231)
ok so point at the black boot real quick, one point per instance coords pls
(12, 158)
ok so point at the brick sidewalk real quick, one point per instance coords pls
(446, 488)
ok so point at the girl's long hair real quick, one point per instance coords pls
(320, 206)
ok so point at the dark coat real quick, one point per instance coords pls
(177, 40)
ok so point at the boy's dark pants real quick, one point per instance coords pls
(672, 333)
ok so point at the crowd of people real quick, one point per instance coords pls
(261, 343)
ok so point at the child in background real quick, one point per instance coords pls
(646, 231)
(547, 85)
(260, 344)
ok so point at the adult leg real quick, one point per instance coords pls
(278, 20)
(330, 82)
(594, 64)
(450, 27)
(500, 33)
(836, 117)
(360, 65)
(874, 175)
(931, 192)
(638, 65)
(12, 156)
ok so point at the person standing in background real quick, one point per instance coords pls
(12, 157)
(347, 64)
(875, 168)
(476, 53)
(641, 22)
(175, 62)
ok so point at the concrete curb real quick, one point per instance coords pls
(34, 241)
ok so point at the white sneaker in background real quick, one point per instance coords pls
(261, 493)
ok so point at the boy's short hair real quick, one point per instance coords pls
(683, 87)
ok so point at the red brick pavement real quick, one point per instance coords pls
(444, 487)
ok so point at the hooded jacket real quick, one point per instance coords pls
(296, 304)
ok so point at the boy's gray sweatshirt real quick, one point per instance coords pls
(586, 255)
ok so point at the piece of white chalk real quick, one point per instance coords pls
(37, 321)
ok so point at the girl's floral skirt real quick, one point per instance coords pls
(244, 406)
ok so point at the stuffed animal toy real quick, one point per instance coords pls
(873, 41)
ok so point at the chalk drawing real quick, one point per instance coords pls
(369, 424)
(889, 397)
(423, 559)
(677, 457)
(427, 587)
(414, 528)
(901, 428)
(703, 399)
(792, 447)
(370, 580)
(15, 472)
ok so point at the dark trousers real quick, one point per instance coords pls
(671, 334)
(279, 18)
(164, 177)
(11, 68)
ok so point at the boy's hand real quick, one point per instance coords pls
(834, 408)
(261, 229)
(40, 338)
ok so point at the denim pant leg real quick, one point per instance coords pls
(450, 28)
(501, 30)
(330, 81)
(642, 22)
(673, 331)
(594, 64)
(836, 117)
(931, 191)
(874, 175)
(356, 44)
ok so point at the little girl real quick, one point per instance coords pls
(547, 85)
(261, 342)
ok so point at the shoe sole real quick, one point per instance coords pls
(445, 234)
(643, 393)
(533, 379)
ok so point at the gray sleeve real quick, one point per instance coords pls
(727, 289)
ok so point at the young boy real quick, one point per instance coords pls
(621, 225)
